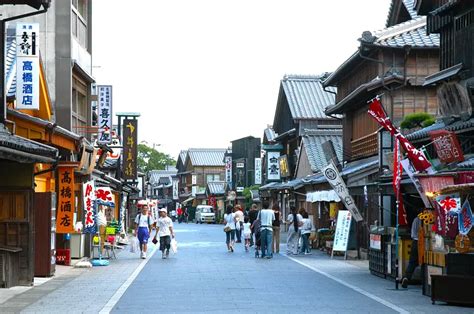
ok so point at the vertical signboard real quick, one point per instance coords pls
(273, 166)
(130, 149)
(66, 198)
(88, 191)
(228, 170)
(175, 189)
(27, 66)
(105, 114)
(258, 171)
(343, 227)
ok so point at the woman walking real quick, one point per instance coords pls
(229, 219)
(295, 221)
(276, 228)
(305, 233)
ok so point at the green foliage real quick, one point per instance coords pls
(248, 195)
(151, 159)
(429, 122)
(416, 119)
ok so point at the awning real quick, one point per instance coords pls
(443, 75)
(322, 196)
(188, 200)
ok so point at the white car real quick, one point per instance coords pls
(205, 213)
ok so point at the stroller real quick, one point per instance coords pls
(257, 233)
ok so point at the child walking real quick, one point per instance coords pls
(247, 233)
(164, 229)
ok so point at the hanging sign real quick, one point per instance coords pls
(335, 180)
(465, 218)
(104, 196)
(258, 171)
(273, 166)
(130, 149)
(447, 146)
(228, 170)
(175, 189)
(66, 198)
(284, 170)
(450, 203)
(27, 66)
(105, 114)
(343, 227)
(88, 190)
(417, 158)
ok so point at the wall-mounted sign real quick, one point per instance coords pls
(284, 170)
(273, 166)
(88, 192)
(130, 151)
(447, 146)
(194, 179)
(175, 188)
(258, 171)
(27, 66)
(228, 170)
(66, 199)
(105, 114)
(240, 165)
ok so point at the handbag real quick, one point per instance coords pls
(227, 228)
(174, 246)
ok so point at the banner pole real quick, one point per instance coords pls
(396, 247)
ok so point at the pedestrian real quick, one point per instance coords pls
(413, 262)
(257, 234)
(180, 214)
(143, 227)
(253, 213)
(247, 233)
(306, 230)
(186, 214)
(266, 218)
(276, 228)
(164, 230)
(229, 219)
(239, 222)
(295, 221)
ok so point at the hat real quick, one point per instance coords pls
(163, 210)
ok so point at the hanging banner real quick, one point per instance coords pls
(27, 66)
(417, 158)
(175, 189)
(335, 180)
(410, 172)
(343, 227)
(104, 196)
(258, 171)
(273, 166)
(105, 114)
(465, 218)
(447, 146)
(397, 178)
(228, 170)
(130, 149)
(450, 203)
(88, 190)
(66, 199)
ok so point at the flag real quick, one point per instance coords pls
(417, 158)
(397, 177)
(465, 218)
(451, 203)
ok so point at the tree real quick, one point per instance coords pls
(417, 119)
(151, 159)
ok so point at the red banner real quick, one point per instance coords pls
(447, 146)
(435, 184)
(397, 178)
(417, 158)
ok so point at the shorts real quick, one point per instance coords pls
(143, 235)
(165, 243)
(247, 235)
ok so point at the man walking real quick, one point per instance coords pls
(413, 263)
(143, 224)
(164, 229)
(266, 217)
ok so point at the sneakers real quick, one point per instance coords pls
(232, 249)
(405, 282)
(167, 253)
(163, 255)
(307, 253)
(144, 255)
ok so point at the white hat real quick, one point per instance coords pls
(163, 210)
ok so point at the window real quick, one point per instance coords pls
(80, 107)
(79, 22)
(212, 178)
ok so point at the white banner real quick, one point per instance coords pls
(88, 191)
(228, 170)
(27, 66)
(343, 227)
(258, 171)
(273, 166)
(105, 114)
(175, 189)
(335, 180)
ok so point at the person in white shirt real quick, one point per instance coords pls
(295, 222)
(266, 217)
(306, 230)
(143, 224)
(164, 229)
(229, 219)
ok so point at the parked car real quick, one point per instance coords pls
(205, 213)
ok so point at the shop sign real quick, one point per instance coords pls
(410, 172)
(240, 165)
(343, 227)
(130, 149)
(123, 209)
(284, 170)
(449, 203)
(194, 179)
(27, 66)
(465, 218)
(273, 166)
(447, 146)
(258, 171)
(417, 158)
(88, 190)
(105, 114)
(376, 241)
(104, 196)
(228, 170)
(66, 199)
(434, 184)
(463, 177)
(175, 189)
(335, 180)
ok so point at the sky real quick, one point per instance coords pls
(205, 72)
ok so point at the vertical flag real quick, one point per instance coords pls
(397, 177)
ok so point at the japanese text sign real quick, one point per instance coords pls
(66, 200)
(447, 146)
(27, 66)
(228, 170)
(105, 114)
(175, 189)
(335, 180)
(104, 196)
(273, 166)
(417, 158)
(258, 171)
(451, 202)
(88, 191)
(130, 152)
(343, 227)
(465, 218)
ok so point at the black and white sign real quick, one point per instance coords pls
(105, 114)
(258, 171)
(228, 170)
(273, 166)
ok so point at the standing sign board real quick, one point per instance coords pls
(27, 66)
(335, 180)
(130, 152)
(105, 114)
(273, 166)
(66, 199)
(343, 227)
(258, 171)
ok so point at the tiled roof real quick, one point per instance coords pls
(409, 5)
(182, 155)
(216, 188)
(411, 33)
(313, 141)
(306, 96)
(207, 156)
(468, 163)
(110, 163)
(157, 177)
(454, 126)
(10, 66)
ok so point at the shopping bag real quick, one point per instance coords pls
(174, 246)
(134, 245)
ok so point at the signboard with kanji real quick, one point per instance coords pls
(130, 151)
(343, 227)
(273, 166)
(27, 66)
(447, 146)
(88, 191)
(258, 171)
(228, 170)
(105, 114)
(66, 198)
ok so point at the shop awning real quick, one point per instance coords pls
(322, 196)
(188, 200)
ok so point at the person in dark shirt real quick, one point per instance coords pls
(253, 213)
